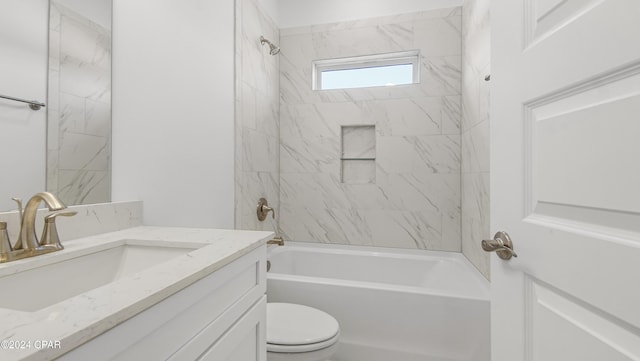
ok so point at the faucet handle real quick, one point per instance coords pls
(5, 243)
(50, 231)
(19, 201)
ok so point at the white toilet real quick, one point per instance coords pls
(300, 333)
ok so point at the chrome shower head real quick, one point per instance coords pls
(273, 49)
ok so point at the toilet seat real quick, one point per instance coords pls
(299, 328)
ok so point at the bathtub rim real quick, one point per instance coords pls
(484, 285)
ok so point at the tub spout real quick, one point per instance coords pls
(276, 240)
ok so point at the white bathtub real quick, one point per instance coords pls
(392, 305)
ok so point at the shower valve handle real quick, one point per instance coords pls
(262, 210)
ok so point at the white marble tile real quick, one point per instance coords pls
(71, 113)
(84, 186)
(248, 107)
(409, 116)
(256, 185)
(395, 154)
(313, 190)
(297, 30)
(298, 50)
(476, 34)
(314, 121)
(439, 37)
(299, 155)
(97, 85)
(451, 230)
(350, 224)
(365, 196)
(437, 193)
(97, 119)
(296, 72)
(358, 171)
(54, 16)
(53, 96)
(257, 116)
(403, 229)
(260, 152)
(53, 130)
(475, 133)
(484, 87)
(451, 114)
(358, 41)
(54, 46)
(475, 219)
(437, 154)
(87, 152)
(470, 101)
(83, 39)
(326, 225)
(268, 111)
(301, 223)
(475, 148)
(368, 22)
(415, 200)
(441, 76)
(52, 169)
(358, 141)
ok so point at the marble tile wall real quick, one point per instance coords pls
(78, 111)
(257, 117)
(414, 201)
(475, 132)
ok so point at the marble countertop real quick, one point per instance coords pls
(49, 332)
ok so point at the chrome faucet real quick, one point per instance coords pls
(27, 244)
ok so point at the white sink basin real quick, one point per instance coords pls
(66, 274)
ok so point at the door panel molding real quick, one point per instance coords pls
(545, 17)
(589, 108)
(599, 332)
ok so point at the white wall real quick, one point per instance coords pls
(173, 110)
(293, 13)
(23, 74)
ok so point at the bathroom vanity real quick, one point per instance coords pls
(149, 293)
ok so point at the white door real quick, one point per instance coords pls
(565, 179)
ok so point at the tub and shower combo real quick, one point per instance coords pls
(392, 305)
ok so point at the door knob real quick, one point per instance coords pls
(501, 244)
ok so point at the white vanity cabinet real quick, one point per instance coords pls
(220, 317)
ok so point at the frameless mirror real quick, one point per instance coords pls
(79, 101)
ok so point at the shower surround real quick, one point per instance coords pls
(414, 201)
(257, 117)
(475, 132)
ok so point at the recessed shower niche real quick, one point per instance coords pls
(358, 155)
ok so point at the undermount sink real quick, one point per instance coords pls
(65, 275)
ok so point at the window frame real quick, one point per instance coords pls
(411, 57)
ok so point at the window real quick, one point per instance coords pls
(367, 71)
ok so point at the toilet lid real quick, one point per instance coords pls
(290, 324)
